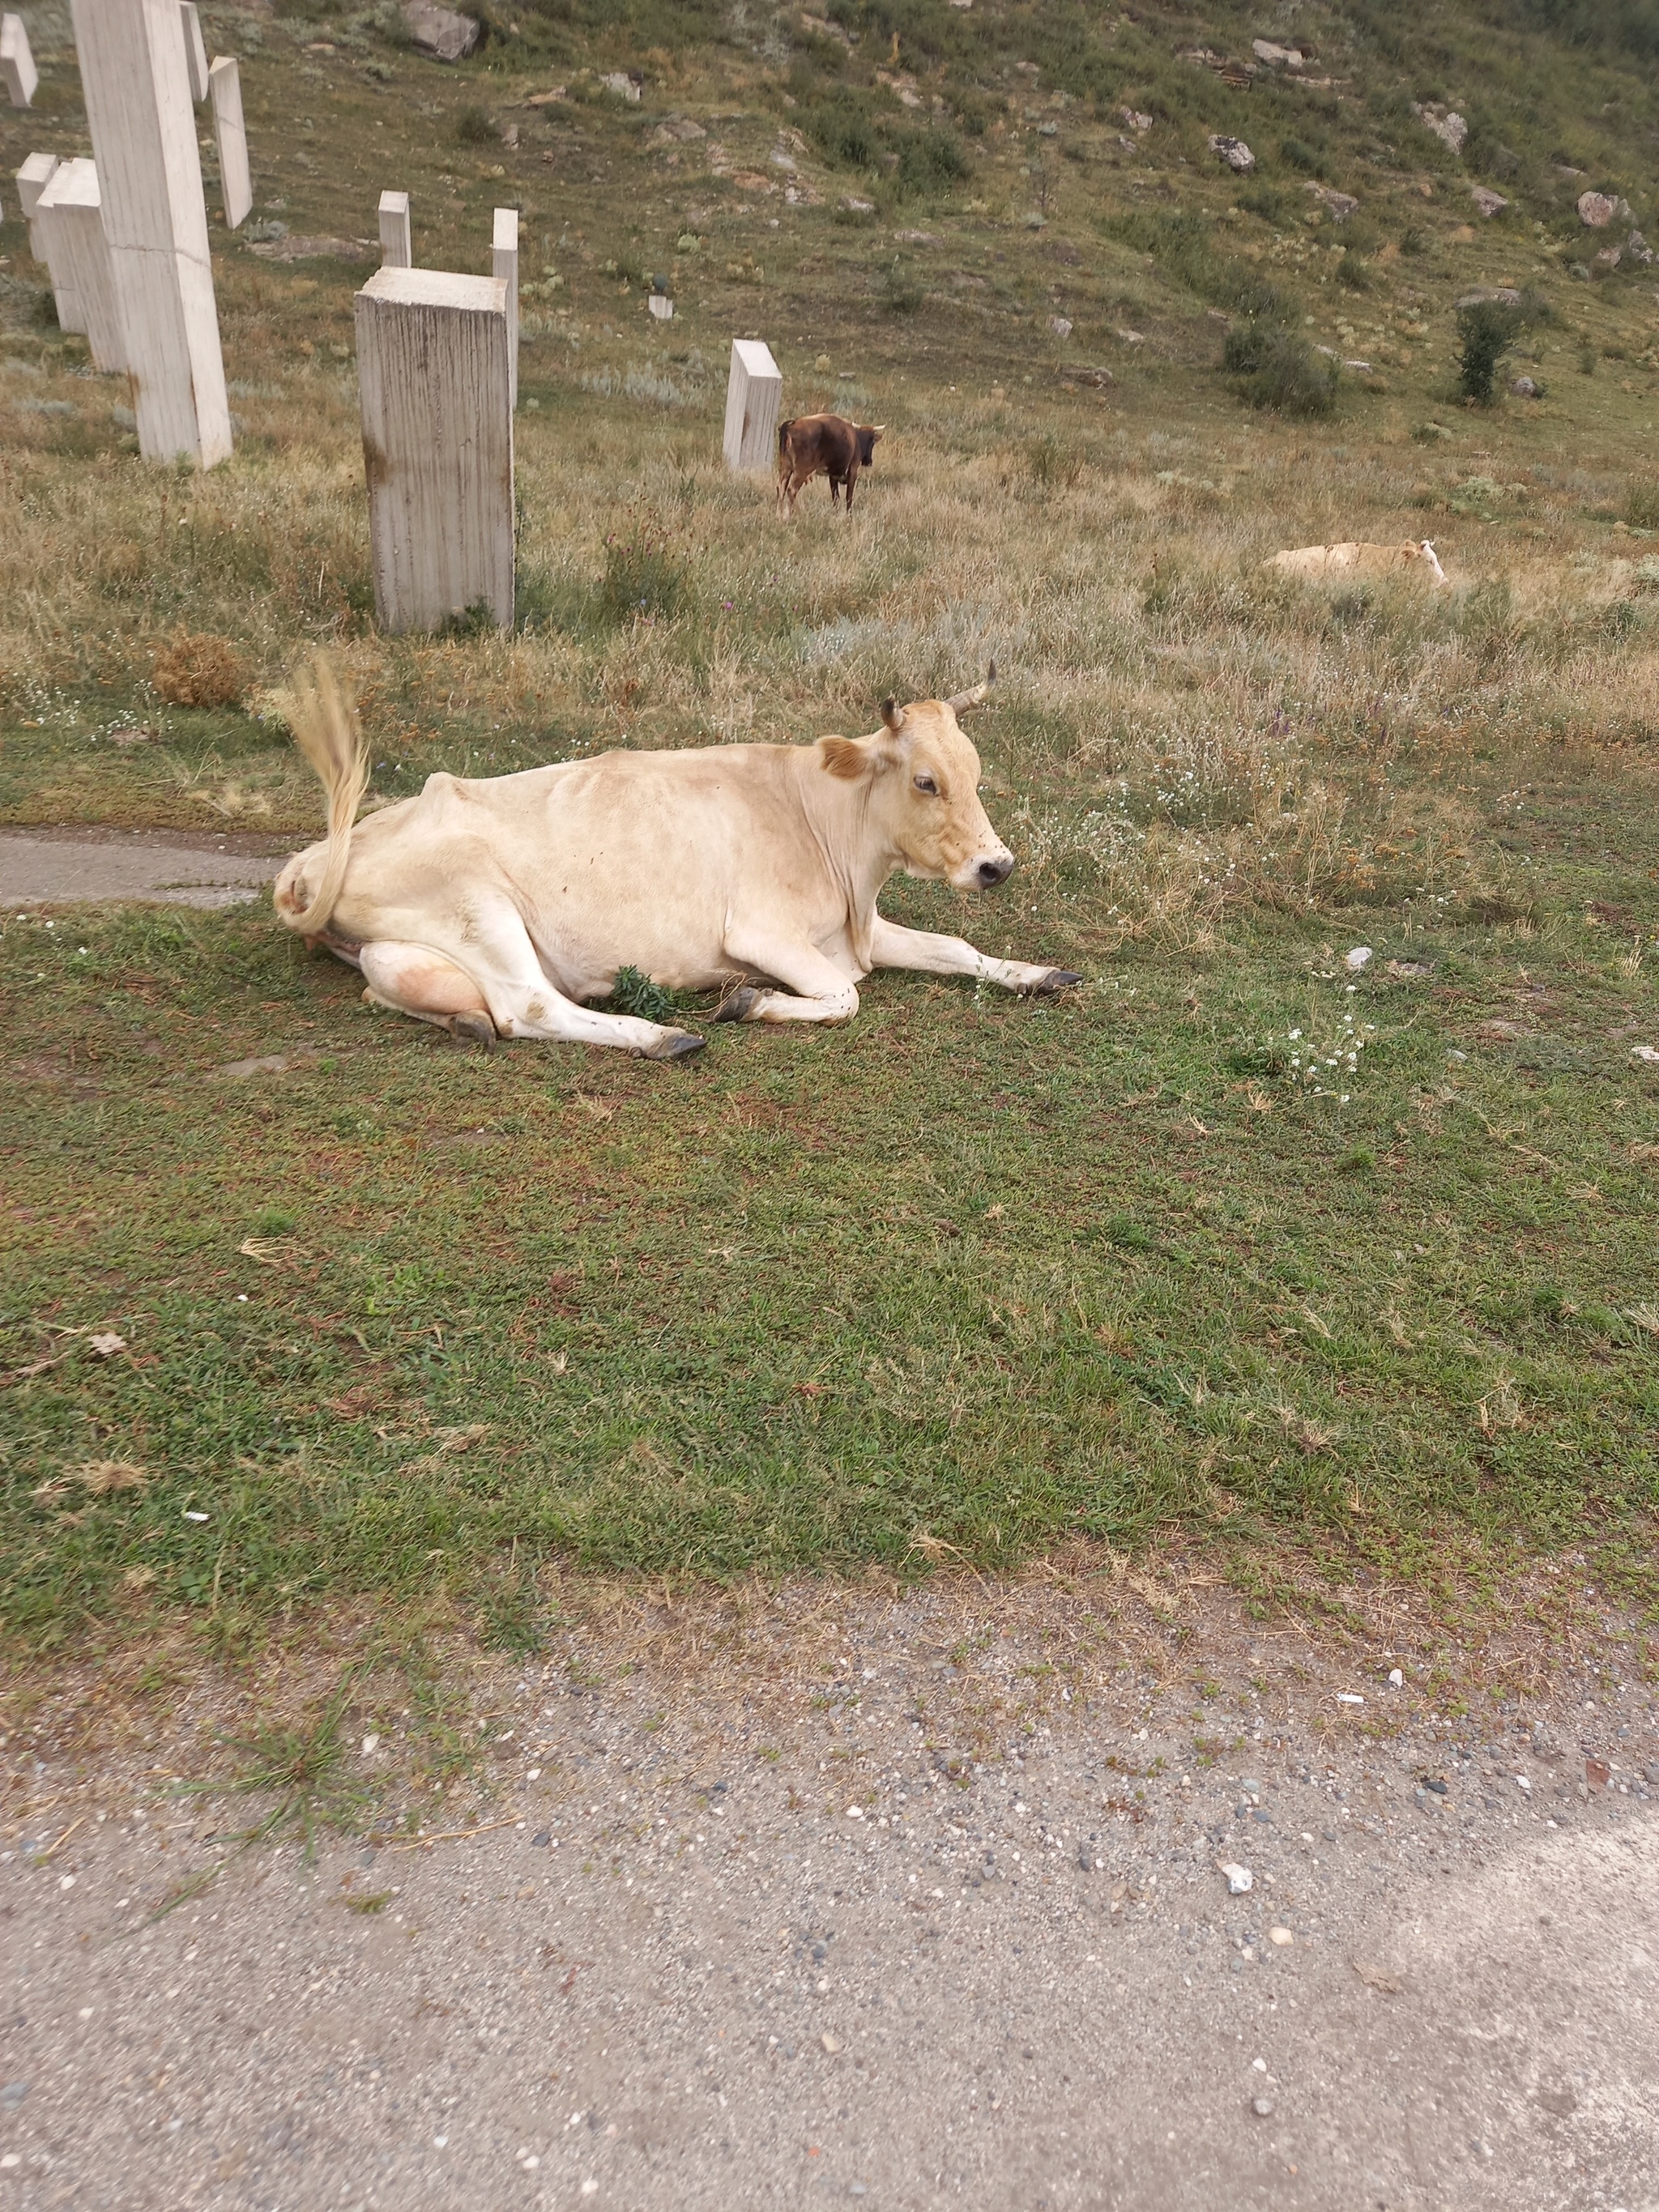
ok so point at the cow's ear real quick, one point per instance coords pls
(877, 432)
(845, 757)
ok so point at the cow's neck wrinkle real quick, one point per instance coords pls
(858, 850)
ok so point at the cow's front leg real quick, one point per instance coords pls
(893, 946)
(818, 990)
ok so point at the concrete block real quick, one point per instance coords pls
(196, 60)
(143, 122)
(230, 136)
(504, 264)
(754, 395)
(32, 181)
(69, 206)
(661, 307)
(396, 245)
(434, 379)
(17, 70)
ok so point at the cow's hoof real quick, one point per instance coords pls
(738, 1005)
(474, 1029)
(674, 1044)
(1056, 978)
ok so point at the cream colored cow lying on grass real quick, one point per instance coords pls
(1316, 563)
(494, 908)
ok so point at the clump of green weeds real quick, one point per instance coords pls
(646, 575)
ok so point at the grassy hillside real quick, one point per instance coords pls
(1342, 1271)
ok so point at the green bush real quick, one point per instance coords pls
(1262, 200)
(901, 295)
(842, 126)
(1277, 368)
(1486, 329)
(930, 161)
(1296, 154)
(1642, 506)
(474, 128)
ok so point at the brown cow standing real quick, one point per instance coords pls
(829, 442)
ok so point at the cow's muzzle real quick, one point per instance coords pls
(990, 874)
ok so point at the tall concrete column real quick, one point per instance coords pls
(230, 136)
(137, 83)
(754, 397)
(504, 264)
(434, 379)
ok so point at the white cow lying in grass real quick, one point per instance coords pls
(1315, 563)
(497, 907)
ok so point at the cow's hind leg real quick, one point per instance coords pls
(413, 979)
(522, 1003)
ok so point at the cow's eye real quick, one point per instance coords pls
(927, 783)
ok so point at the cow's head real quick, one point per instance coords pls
(867, 433)
(1426, 552)
(923, 777)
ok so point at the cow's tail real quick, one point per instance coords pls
(322, 716)
(784, 428)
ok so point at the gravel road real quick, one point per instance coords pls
(820, 1939)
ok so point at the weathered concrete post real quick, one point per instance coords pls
(70, 210)
(397, 247)
(434, 379)
(754, 394)
(32, 181)
(230, 136)
(17, 68)
(504, 264)
(143, 139)
(196, 60)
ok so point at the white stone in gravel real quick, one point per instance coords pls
(1239, 1878)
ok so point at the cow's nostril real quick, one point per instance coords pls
(994, 871)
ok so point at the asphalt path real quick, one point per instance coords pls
(799, 1948)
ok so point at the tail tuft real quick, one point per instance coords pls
(322, 716)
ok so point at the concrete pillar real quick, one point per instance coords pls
(17, 70)
(230, 136)
(434, 379)
(754, 394)
(504, 264)
(196, 60)
(32, 181)
(397, 247)
(143, 138)
(42, 238)
(75, 242)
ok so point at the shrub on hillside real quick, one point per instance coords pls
(1486, 329)
(1276, 368)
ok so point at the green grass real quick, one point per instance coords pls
(972, 1271)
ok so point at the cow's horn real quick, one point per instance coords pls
(893, 714)
(963, 700)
